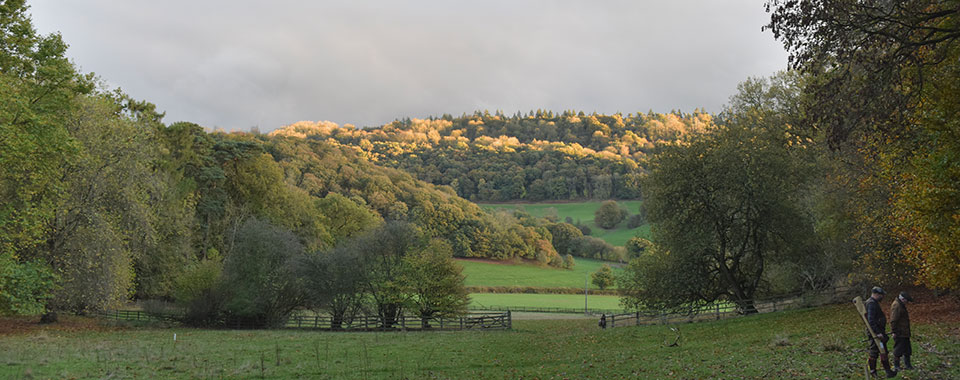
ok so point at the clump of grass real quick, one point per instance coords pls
(835, 345)
(781, 341)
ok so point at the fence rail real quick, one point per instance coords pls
(725, 310)
(470, 321)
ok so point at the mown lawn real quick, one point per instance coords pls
(583, 212)
(813, 343)
(509, 274)
(563, 301)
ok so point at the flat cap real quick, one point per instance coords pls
(906, 296)
(878, 290)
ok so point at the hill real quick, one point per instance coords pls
(534, 157)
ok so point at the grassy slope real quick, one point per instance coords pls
(795, 344)
(492, 274)
(582, 211)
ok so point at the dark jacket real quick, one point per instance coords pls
(899, 319)
(875, 316)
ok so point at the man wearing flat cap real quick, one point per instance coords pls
(878, 322)
(900, 331)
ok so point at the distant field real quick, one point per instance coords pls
(563, 301)
(496, 274)
(583, 212)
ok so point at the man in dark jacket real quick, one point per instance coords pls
(900, 331)
(878, 323)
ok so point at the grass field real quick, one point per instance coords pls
(813, 343)
(563, 301)
(582, 211)
(497, 274)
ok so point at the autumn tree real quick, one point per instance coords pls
(37, 87)
(883, 90)
(727, 204)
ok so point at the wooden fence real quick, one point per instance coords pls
(470, 321)
(728, 309)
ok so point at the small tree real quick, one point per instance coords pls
(568, 261)
(609, 215)
(436, 282)
(603, 277)
(257, 276)
(383, 251)
(333, 282)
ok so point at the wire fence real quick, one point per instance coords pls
(717, 311)
(470, 321)
(564, 310)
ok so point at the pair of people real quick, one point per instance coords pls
(899, 331)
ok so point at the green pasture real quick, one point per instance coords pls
(809, 344)
(508, 274)
(563, 301)
(582, 211)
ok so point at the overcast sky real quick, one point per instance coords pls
(239, 64)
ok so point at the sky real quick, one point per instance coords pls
(266, 64)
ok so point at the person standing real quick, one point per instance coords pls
(603, 321)
(878, 323)
(900, 331)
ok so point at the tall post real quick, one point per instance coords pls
(585, 277)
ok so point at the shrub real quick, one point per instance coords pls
(609, 215)
(603, 278)
(635, 220)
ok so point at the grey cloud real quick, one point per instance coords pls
(237, 64)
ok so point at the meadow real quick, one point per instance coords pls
(493, 273)
(582, 212)
(811, 343)
(562, 301)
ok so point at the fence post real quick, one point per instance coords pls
(509, 320)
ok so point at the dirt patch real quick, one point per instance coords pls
(29, 325)
(930, 308)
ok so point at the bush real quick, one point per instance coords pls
(635, 220)
(584, 229)
(603, 278)
(609, 215)
(197, 279)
